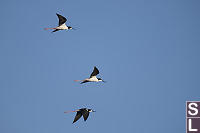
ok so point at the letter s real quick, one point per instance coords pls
(193, 108)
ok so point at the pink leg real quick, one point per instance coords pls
(69, 111)
(49, 28)
(78, 80)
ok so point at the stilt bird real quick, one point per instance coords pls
(61, 25)
(93, 77)
(81, 112)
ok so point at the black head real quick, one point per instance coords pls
(69, 27)
(100, 79)
(90, 110)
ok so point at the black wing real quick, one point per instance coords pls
(85, 81)
(95, 72)
(85, 115)
(55, 30)
(62, 19)
(78, 116)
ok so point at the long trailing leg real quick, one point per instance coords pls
(71, 111)
(49, 28)
(82, 81)
(78, 80)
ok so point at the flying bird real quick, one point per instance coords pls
(92, 78)
(61, 25)
(81, 112)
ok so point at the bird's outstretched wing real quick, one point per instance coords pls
(85, 115)
(55, 30)
(62, 19)
(78, 116)
(84, 81)
(95, 72)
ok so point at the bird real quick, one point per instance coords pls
(81, 112)
(61, 24)
(93, 77)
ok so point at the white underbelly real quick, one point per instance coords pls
(93, 79)
(62, 27)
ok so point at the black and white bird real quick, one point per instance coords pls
(81, 112)
(92, 78)
(61, 25)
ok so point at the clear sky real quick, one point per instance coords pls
(146, 50)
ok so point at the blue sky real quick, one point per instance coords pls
(146, 50)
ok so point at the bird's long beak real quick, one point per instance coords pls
(93, 111)
(73, 29)
(103, 81)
